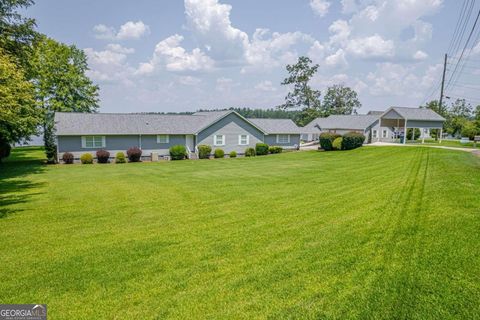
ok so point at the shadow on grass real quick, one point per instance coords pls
(14, 177)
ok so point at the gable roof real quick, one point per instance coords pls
(72, 123)
(348, 122)
(422, 114)
(272, 126)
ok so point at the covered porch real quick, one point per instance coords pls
(402, 119)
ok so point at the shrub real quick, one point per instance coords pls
(233, 154)
(67, 158)
(120, 157)
(337, 143)
(219, 153)
(5, 149)
(250, 152)
(416, 135)
(204, 151)
(326, 140)
(86, 158)
(134, 154)
(261, 149)
(352, 140)
(178, 152)
(103, 156)
(275, 149)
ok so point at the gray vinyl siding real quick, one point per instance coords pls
(148, 143)
(271, 140)
(424, 124)
(231, 127)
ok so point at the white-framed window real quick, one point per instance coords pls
(243, 139)
(93, 142)
(283, 138)
(374, 134)
(219, 140)
(384, 133)
(163, 138)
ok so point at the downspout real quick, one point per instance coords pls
(140, 141)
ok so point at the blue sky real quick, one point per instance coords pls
(178, 55)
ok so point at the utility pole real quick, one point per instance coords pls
(440, 106)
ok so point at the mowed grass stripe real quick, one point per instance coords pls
(369, 233)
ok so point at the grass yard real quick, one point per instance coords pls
(371, 233)
(446, 143)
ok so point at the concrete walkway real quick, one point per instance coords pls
(381, 144)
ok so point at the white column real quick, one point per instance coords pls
(405, 132)
(422, 130)
(441, 134)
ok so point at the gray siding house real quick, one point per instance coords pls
(388, 126)
(80, 133)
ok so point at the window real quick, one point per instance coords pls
(243, 139)
(374, 134)
(384, 133)
(93, 142)
(283, 138)
(218, 140)
(163, 138)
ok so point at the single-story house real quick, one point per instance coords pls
(80, 133)
(388, 126)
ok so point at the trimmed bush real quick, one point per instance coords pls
(134, 154)
(337, 143)
(178, 152)
(326, 140)
(250, 152)
(233, 154)
(86, 158)
(5, 149)
(103, 156)
(416, 134)
(352, 140)
(67, 158)
(261, 149)
(275, 149)
(219, 153)
(204, 151)
(120, 157)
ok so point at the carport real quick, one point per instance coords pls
(404, 118)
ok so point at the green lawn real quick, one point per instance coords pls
(371, 233)
(446, 143)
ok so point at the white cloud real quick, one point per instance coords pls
(110, 64)
(129, 30)
(373, 46)
(340, 30)
(224, 84)
(265, 86)
(349, 6)
(337, 59)
(170, 55)
(420, 55)
(189, 80)
(320, 7)
(133, 30)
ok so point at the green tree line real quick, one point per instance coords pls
(38, 77)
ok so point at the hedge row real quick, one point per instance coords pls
(334, 141)
(178, 152)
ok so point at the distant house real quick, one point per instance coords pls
(80, 133)
(387, 126)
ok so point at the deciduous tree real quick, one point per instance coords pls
(340, 100)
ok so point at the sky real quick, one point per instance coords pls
(174, 55)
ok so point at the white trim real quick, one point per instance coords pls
(374, 134)
(167, 140)
(384, 133)
(215, 141)
(240, 140)
(84, 142)
(225, 115)
(278, 138)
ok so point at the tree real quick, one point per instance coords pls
(19, 116)
(340, 100)
(469, 129)
(303, 97)
(61, 85)
(17, 33)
